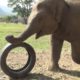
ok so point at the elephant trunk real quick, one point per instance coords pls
(32, 29)
(26, 34)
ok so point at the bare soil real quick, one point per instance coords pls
(40, 71)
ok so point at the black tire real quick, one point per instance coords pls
(22, 72)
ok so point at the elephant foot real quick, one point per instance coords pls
(55, 68)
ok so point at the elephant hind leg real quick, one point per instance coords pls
(76, 52)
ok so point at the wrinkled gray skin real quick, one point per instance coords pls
(59, 18)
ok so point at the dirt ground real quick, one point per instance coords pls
(40, 71)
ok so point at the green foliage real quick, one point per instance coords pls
(8, 18)
(22, 7)
(5, 19)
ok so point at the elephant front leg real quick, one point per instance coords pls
(76, 51)
(56, 51)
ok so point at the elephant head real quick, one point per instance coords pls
(43, 20)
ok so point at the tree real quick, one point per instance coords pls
(22, 7)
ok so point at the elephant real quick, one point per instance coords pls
(58, 18)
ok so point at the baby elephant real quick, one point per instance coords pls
(59, 18)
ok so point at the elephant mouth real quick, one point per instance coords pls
(39, 34)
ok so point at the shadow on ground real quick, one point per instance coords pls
(35, 77)
(43, 77)
(71, 72)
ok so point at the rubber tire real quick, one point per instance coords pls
(22, 72)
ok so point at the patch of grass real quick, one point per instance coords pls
(41, 44)
(15, 29)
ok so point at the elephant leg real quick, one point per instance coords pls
(56, 52)
(76, 52)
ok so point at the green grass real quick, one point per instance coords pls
(15, 29)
